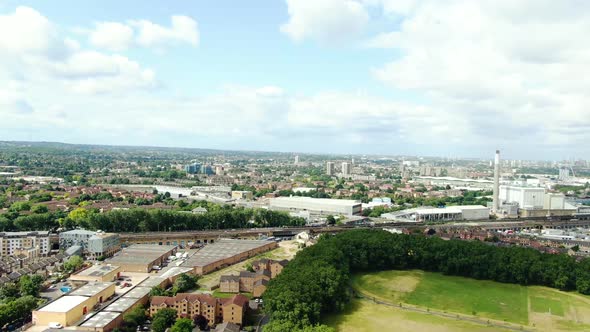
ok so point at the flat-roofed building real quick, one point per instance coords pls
(10, 242)
(139, 293)
(321, 206)
(152, 282)
(99, 290)
(94, 245)
(66, 310)
(69, 309)
(123, 305)
(225, 252)
(98, 273)
(103, 321)
(142, 257)
(449, 213)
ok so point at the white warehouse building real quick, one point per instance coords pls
(449, 213)
(322, 206)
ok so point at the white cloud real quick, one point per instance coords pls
(35, 52)
(183, 30)
(326, 21)
(111, 36)
(508, 69)
(26, 31)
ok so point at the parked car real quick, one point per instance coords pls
(127, 284)
(55, 325)
(127, 279)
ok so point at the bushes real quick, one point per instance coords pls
(316, 281)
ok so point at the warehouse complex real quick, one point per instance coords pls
(225, 252)
(142, 257)
(320, 206)
(69, 309)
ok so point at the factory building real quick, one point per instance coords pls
(321, 206)
(142, 257)
(526, 197)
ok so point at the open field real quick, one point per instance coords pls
(365, 316)
(533, 307)
(286, 250)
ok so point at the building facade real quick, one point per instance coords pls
(330, 168)
(94, 244)
(215, 310)
(13, 241)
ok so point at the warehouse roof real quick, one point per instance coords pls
(137, 292)
(64, 303)
(330, 201)
(92, 288)
(101, 319)
(221, 249)
(152, 282)
(140, 254)
(121, 305)
(98, 270)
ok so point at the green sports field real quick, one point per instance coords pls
(534, 308)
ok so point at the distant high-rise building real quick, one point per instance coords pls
(296, 160)
(496, 192)
(564, 174)
(219, 170)
(330, 168)
(192, 168)
(206, 169)
(346, 168)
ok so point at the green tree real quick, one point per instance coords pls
(158, 291)
(163, 319)
(73, 263)
(184, 282)
(30, 285)
(331, 220)
(182, 325)
(41, 208)
(136, 317)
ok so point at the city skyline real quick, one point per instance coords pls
(456, 78)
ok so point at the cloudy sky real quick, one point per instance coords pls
(424, 77)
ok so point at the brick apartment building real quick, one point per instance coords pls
(252, 282)
(215, 310)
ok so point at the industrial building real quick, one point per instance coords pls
(532, 202)
(225, 252)
(426, 214)
(103, 321)
(94, 245)
(241, 194)
(321, 206)
(478, 184)
(98, 273)
(526, 197)
(38, 241)
(69, 309)
(142, 257)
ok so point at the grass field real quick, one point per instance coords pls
(538, 308)
(365, 316)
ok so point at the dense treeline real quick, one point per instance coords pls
(143, 220)
(316, 281)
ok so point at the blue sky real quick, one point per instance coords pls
(425, 77)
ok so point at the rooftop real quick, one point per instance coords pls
(92, 288)
(121, 305)
(140, 254)
(222, 248)
(64, 303)
(98, 270)
(152, 282)
(101, 319)
(331, 201)
(137, 292)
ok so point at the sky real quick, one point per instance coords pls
(451, 78)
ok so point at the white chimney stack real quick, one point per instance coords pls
(496, 203)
